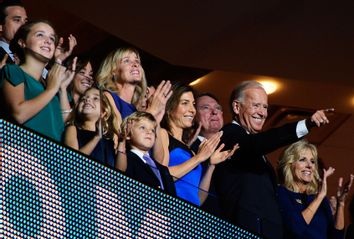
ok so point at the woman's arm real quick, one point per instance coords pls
(310, 211)
(21, 109)
(217, 157)
(206, 149)
(342, 193)
(205, 183)
(71, 140)
(121, 159)
(160, 149)
(68, 76)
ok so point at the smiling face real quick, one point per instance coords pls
(83, 79)
(304, 168)
(142, 135)
(89, 104)
(252, 110)
(129, 68)
(182, 117)
(40, 40)
(15, 17)
(209, 114)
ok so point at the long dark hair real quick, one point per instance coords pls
(172, 104)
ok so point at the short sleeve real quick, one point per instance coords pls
(12, 73)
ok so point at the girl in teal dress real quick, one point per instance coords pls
(28, 99)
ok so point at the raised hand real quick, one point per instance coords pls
(343, 190)
(68, 75)
(208, 146)
(157, 102)
(326, 174)
(220, 156)
(61, 53)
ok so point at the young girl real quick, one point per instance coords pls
(92, 114)
(28, 99)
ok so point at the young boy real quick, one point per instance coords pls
(138, 129)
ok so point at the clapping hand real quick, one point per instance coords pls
(157, 102)
(60, 77)
(208, 146)
(326, 174)
(220, 156)
(61, 53)
(343, 190)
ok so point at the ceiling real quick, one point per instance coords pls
(306, 46)
(295, 41)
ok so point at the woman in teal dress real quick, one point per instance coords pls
(28, 99)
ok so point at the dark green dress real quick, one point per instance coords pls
(49, 120)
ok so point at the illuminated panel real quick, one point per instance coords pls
(49, 191)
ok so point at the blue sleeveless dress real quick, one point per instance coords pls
(187, 187)
(124, 108)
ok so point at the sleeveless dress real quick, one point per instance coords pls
(49, 120)
(124, 108)
(104, 150)
(187, 187)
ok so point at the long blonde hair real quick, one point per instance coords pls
(289, 157)
(105, 78)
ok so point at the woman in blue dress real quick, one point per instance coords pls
(184, 165)
(302, 196)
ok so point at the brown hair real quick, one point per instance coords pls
(172, 104)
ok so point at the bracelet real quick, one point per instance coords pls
(67, 111)
(121, 152)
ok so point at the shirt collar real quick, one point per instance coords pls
(237, 123)
(6, 47)
(139, 153)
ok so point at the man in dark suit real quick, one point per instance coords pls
(139, 132)
(246, 183)
(12, 16)
(210, 118)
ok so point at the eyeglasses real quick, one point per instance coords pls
(208, 108)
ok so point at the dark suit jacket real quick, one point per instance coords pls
(246, 183)
(142, 172)
(2, 55)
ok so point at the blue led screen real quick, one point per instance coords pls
(50, 191)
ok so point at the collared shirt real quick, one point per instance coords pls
(201, 138)
(139, 153)
(6, 47)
